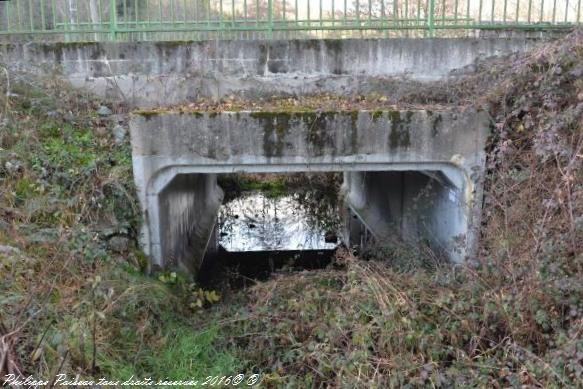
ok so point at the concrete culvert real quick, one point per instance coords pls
(415, 174)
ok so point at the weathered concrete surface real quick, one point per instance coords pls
(448, 144)
(186, 213)
(167, 73)
(425, 207)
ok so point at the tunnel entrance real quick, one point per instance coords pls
(228, 217)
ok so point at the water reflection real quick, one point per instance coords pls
(256, 222)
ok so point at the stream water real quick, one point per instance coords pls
(264, 231)
(258, 222)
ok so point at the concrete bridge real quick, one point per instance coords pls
(415, 173)
(389, 158)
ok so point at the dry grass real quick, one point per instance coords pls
(513, 319)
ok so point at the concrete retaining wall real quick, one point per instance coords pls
(167, 73)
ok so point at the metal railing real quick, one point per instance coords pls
(131, 20)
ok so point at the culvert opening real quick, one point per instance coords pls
(290, 222)
(273, 223)
(410, 218)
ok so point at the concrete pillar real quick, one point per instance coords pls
(182, 217)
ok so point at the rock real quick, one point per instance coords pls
(8, 250)
(119, 244)
(13, 166)
(107, 231)
(69, 117)
(44, 235)
(53, 114)
(577, 72)
(4, 226)
(119, 134)
(104, 111)
(118, 118)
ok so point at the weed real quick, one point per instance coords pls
(68, 300)
(513, 317)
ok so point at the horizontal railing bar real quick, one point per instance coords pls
(259, 28)
(114, 18)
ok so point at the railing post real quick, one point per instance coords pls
(270, 19)
(112, 20)
(431, 18)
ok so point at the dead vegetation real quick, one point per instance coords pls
(513, 317)
(373, 101)
(73, 299)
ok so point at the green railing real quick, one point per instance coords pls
(127, 20)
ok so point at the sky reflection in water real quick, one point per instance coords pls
(255, 222)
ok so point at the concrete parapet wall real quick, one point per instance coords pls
(168, 73)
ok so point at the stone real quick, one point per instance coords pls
(119, 118)
(44, 235)
(119, 134)
(577, 72)
(4, 226)
(119, 244)
(53, 114)
(109, 231)
(8, 250)
(104, 111)
(13, 166)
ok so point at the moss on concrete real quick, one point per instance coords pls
(399, 136)
(435, 125)
(377, 114)
(275, 127)
(148, 114)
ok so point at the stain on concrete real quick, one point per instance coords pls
(399, 136)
